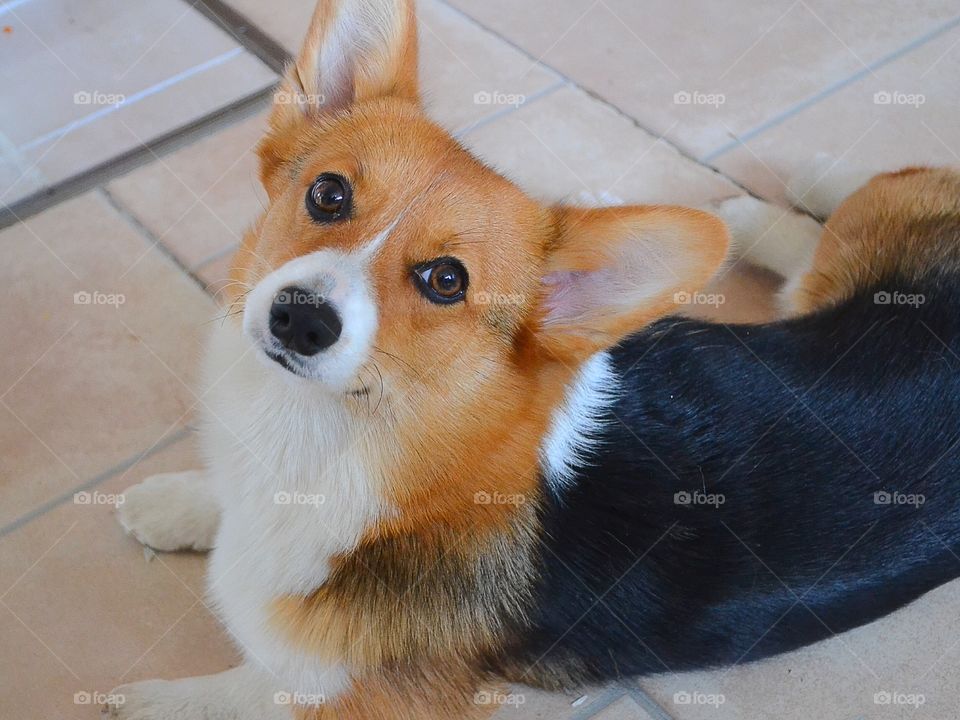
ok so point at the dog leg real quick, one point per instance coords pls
(172, 511)
(243, 693)
(773, 238)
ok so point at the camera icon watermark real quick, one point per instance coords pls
(695, 97)
(485, 97)
(84, 297)
(285, 497)
(283, 697)
(98, 498)
(698, 497)
(882, 497)
(895, 697)
(495, 697)
(684, 697)
(895, 97)
(85, 697)
(498, 498)
(95, 97)
(284, 97)
(886, 297)
(699, 298)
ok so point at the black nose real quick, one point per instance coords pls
(303, 321)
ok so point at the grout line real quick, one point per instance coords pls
(12, 5)
(134, 158)
(121, 467)
(509, 110)
(156, 243)
(830, 90)
(133, 99)
(643, 699)
(216, 255)
(604, 101)
(604, 700)
(245, 32)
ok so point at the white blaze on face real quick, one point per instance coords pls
(343, 281)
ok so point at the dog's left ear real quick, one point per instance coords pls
(356, 50)
(611, 271)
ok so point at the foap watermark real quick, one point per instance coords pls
(698, 698)
(95, 97)
(895, 697)
(882, 497)
(498, 498)
(698, 497)
(488, 298)
(285, 97)
(886, 297)
(699, 298)
(895, 97)
(283, 497)
(85, 697)
(485, 97)
(298, 698)
(301, 297)
(98, 498)
(695, 97)
(84, 297)
(495, 697)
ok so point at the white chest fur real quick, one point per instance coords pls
(296, 488)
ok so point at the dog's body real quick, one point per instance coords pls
(412, 491)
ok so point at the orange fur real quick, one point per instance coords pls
(904, 222)
(460, 396)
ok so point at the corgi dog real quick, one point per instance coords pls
(453, 438)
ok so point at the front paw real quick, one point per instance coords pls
(148, 700)
(172, 511)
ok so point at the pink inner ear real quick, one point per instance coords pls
(572, 295)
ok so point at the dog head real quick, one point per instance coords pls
(394, 271)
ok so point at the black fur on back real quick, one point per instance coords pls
(796, 426)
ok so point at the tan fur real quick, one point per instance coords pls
(458, 397)
(904, 222)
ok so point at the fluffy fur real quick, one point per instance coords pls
(455, 494)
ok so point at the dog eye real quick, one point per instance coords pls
(443, 280)
(328, 199)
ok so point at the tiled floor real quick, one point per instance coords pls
(622, 101)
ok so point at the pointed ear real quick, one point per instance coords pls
(611, 271)
(354, 50)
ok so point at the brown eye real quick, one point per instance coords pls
(442, 281)
(328, 199)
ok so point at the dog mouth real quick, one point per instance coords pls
(290, 366)
(284, 362)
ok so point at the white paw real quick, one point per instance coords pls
(152, 700)
(769, 236)
(173, 511)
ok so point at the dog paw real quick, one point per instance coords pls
(150, 700)
(172, 511)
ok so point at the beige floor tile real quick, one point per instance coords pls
(763, 59)
(87, 610)
(201, 198)
(570, 146)
(458, 60)
(214, 274)
(624, 709)
(858, 126)
(912, 653)
(524, 703)
(100, 328)
(85, 81)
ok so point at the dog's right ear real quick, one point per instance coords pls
(354, 50)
